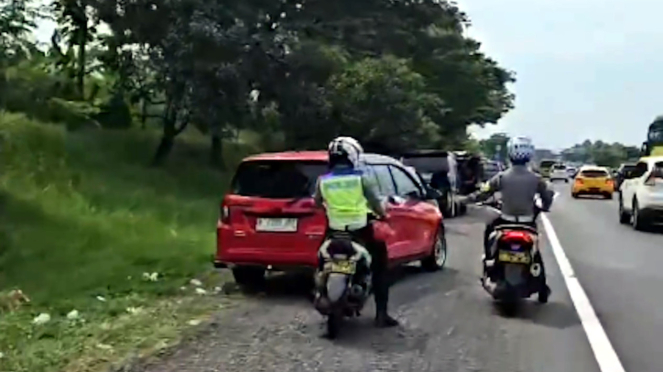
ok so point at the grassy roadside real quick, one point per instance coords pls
(83, 223)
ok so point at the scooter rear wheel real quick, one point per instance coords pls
(334, 324)
(508, 307)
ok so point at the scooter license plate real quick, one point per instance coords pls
(514, 257)
(343, 267)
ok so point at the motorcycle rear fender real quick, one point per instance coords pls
(514, 274)
(337, 285)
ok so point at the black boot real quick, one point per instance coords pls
(545, 291)
(384, 320)
(544, 294)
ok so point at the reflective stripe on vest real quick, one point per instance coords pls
(344, 201)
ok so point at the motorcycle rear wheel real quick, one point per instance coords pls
(334, 324)
(508, 307)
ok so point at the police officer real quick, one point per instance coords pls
(348, 197)
(518, 186)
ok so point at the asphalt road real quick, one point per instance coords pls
(620, 270)
(450, 324)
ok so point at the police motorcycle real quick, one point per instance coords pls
(343, 282)
(514, 273)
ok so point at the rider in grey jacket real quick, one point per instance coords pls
(518, 186)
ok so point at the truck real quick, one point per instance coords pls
(653, 146)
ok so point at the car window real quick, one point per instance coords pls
(594, 173)
(427, 164)
(558, 167)
(657, 172)
(277, 179)
(384, 180)
(404, 184)
(640, 169)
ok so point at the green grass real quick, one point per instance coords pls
(81, 216)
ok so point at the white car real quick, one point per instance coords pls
(559, 172)
(641, 194)
(571, 171)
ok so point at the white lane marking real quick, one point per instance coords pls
(605, 354)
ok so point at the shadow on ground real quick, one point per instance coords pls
(554, 314)
(286, 287)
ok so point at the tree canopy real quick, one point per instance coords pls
(395, 74)
(601, 153)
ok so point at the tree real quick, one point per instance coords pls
(382, 101)
(77, 27)
(495, 146)
(430, 34)
(399, 74)
(601, 153)
(17, 20)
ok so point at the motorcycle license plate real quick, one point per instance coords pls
(514, 257)
(343, 267)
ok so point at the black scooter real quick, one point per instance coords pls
(514, 272)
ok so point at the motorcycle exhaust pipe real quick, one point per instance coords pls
(356, 291)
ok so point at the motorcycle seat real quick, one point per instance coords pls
(517, 227)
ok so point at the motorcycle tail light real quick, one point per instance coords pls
(517, 236)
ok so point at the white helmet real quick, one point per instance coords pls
(345, 149)
(520, 149)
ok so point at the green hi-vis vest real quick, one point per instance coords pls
(344, 201)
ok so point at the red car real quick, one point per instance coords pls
(269, 219)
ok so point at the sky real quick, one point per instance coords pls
(585, 69)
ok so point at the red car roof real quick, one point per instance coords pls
(290, 155)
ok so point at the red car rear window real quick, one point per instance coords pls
(277, 179)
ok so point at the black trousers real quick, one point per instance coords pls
(490, 227)
(379, 265)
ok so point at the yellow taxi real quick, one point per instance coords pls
(593, 180)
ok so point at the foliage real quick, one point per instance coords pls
(222, 67)
(80, 218)
(495, 146)
(383, 102)
(17, 19)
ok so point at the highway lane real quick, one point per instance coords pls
(448, 324)
(620, 270)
